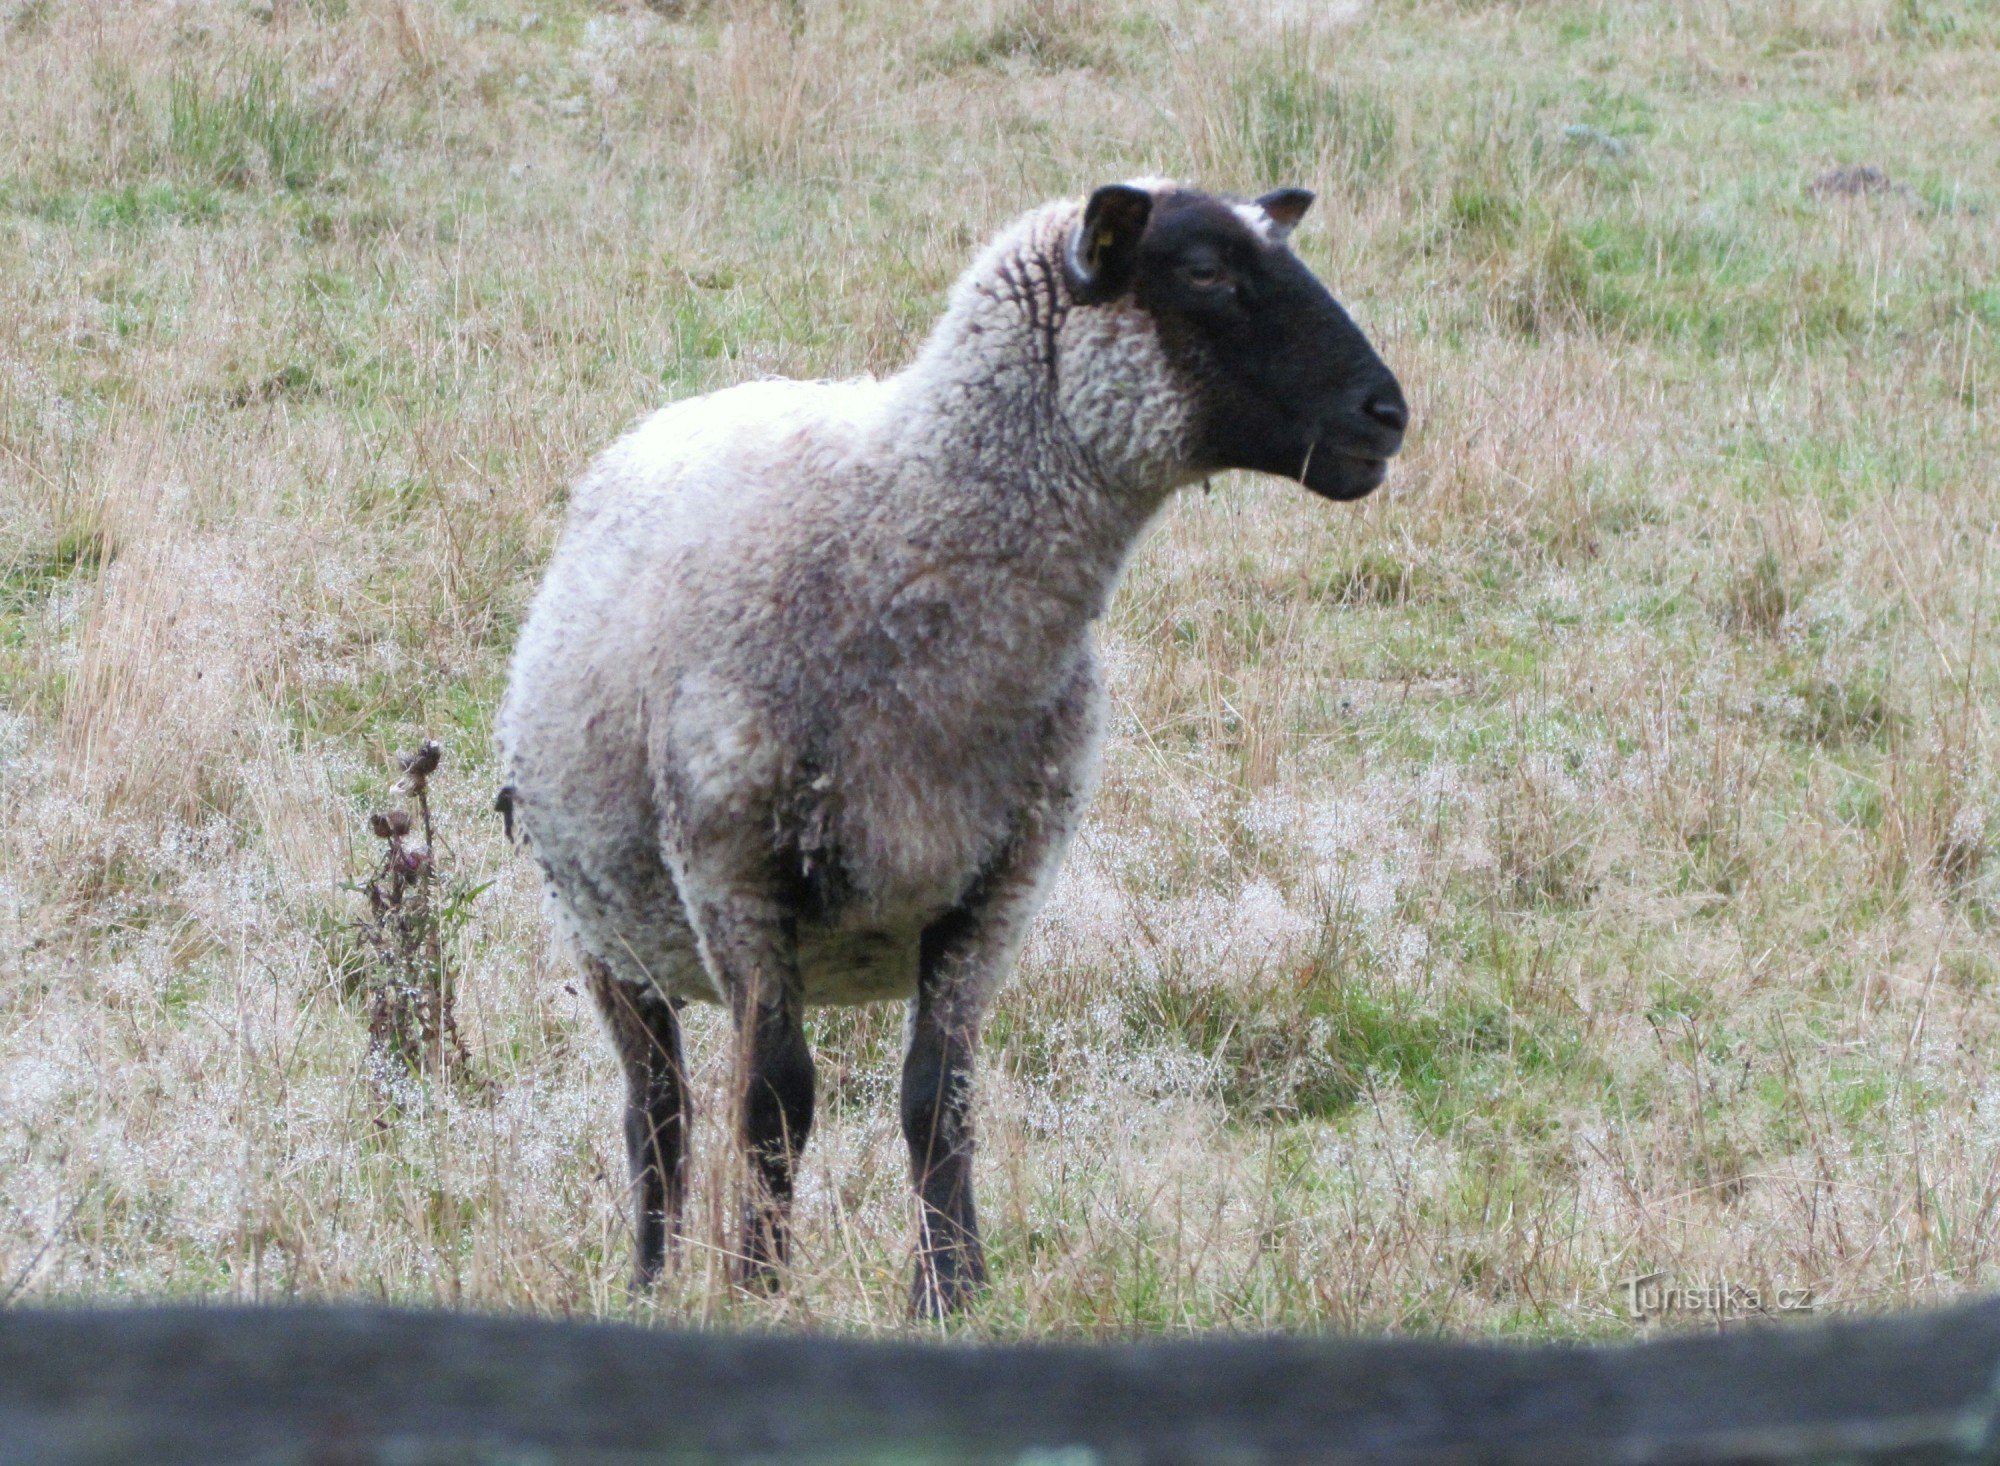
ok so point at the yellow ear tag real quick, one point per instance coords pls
(1105, 239)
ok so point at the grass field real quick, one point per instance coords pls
(1576, 862)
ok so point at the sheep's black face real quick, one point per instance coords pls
(1285, 381)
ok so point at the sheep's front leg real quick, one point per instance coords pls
(962, 959)
(754, 950)
(648, 1037)
(937, 1121)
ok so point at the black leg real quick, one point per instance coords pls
(648, 1037)
(937, 1124)
(777, 1116)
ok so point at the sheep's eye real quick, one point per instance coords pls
(1204, 275)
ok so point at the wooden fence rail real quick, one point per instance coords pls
(361, 1385)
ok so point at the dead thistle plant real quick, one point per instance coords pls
(412, 911)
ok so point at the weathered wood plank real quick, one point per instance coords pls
(367, 1384)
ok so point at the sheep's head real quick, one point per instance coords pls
(1280, 379)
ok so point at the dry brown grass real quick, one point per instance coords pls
(1574, 863)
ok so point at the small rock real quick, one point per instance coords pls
(1851, 180)
(1587, 136)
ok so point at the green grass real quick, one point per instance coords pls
(243, 130)
(36, 574)
(1297, 123)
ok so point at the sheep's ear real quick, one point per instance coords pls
(1284, 207)
(1105, 248)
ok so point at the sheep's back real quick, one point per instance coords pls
(669, 530)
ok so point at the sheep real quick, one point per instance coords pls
(807, 706)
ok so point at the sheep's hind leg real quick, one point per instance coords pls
(648, 1036)
(752, 948)
(937, 1122)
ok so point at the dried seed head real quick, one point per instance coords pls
(390, 826)
(419, 766)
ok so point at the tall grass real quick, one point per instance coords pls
(238, 130)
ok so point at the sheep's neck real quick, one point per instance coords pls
(1019, 497)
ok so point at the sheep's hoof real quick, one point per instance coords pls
(757, 1277)
(759, 1267)
(947, 1281)
(658, 1243)
(644, 1279)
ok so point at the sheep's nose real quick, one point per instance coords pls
(1386, 408)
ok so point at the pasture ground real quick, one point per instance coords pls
(1576, 862)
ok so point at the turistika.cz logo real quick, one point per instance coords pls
(1656, 1295)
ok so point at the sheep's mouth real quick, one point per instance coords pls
(1334, 474)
